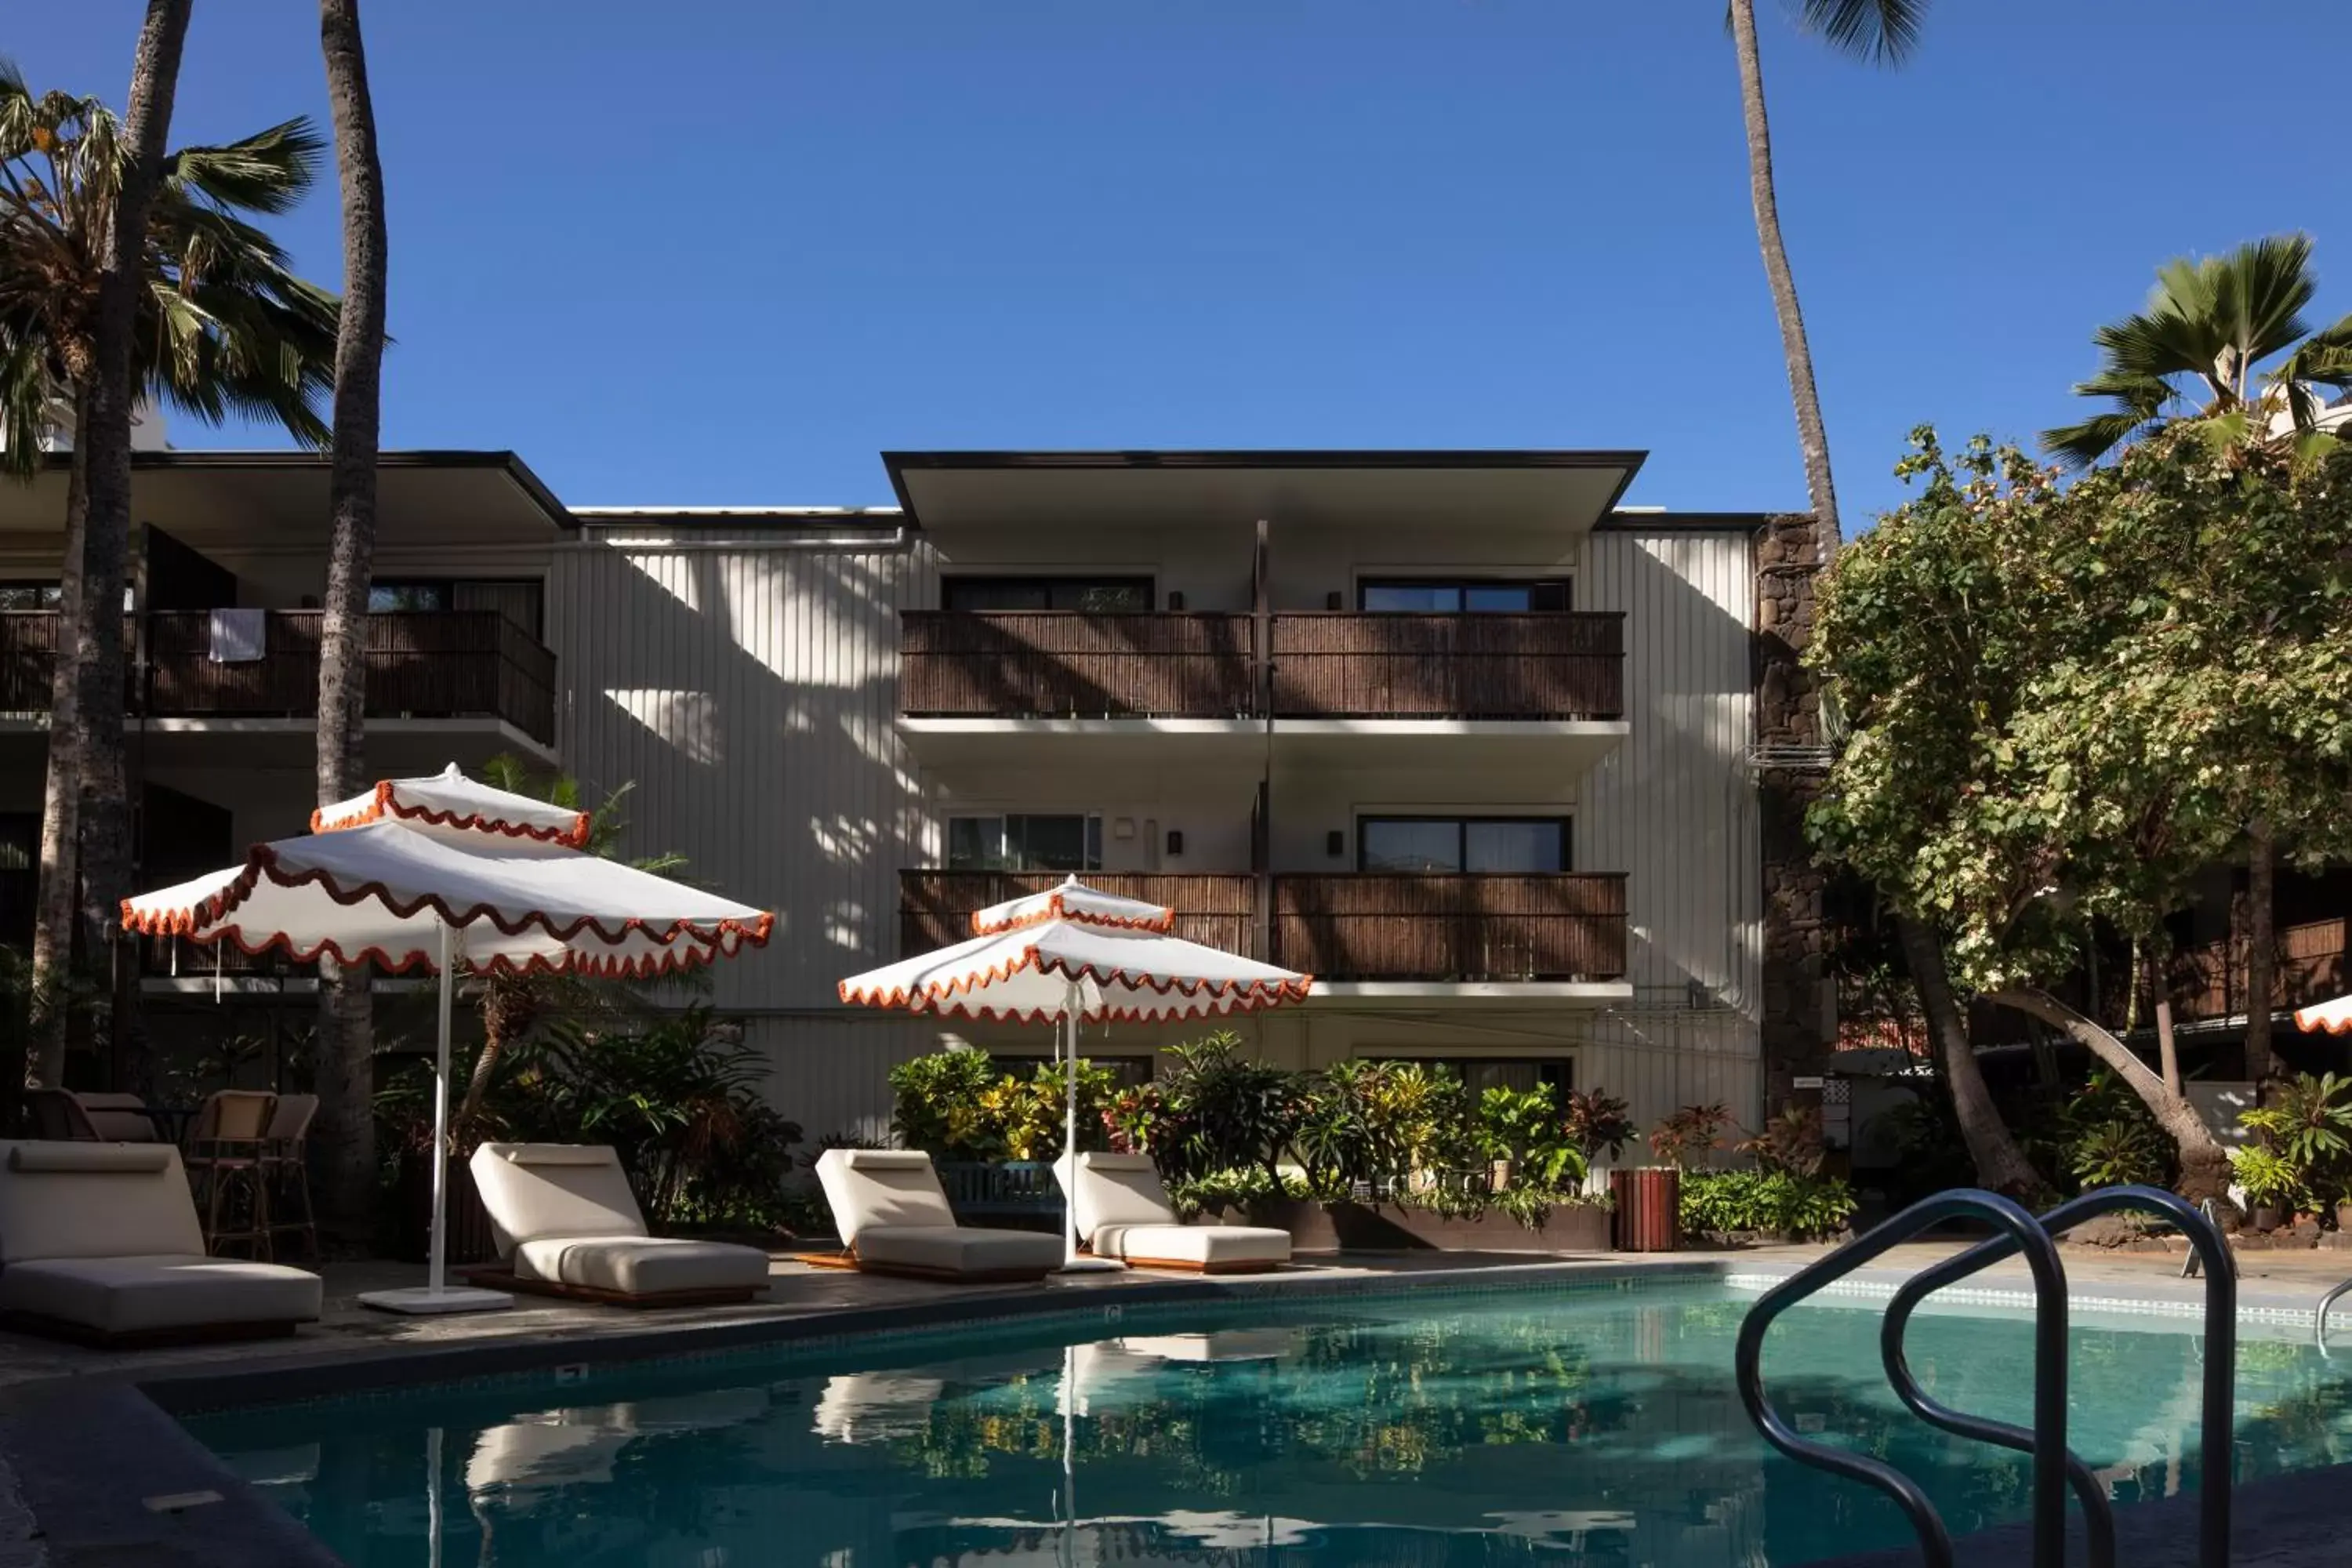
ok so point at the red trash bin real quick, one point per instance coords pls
(1649, 1208)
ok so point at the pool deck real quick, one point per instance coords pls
(74, 1422)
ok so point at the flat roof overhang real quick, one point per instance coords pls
(279, 498)
(1568, 491)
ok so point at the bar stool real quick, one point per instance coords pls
(224, 1158)
(285, 1168)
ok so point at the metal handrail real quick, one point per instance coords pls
(2319, 1326)
(2049, 1443)
(2217, 1435)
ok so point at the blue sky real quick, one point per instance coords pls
(708, 252)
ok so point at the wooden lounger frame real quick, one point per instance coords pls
(492, 1277)
(149, 1339)
(849, 1259)
(1232, 1265)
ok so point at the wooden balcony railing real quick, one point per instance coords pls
(1218, 909)
(2210, 981)
(1345, 927)
(1057, 664)
(436, 665)
(1019, 664)
(1552, 666)
(1448, 927)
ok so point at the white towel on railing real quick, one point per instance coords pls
(239, 636)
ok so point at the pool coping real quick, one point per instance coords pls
(69, 1440)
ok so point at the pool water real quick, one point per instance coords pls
(1581, 1429)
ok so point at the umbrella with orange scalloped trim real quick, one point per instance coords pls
(434, 872)
(1076, 952)
(2325, 1017)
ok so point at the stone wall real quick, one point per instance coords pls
(1790, 756)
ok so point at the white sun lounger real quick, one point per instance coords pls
(1124, 1213)
(894, 1218)
(567, 1225)
(98, 1242)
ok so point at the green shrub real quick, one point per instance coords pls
(1220, 1109)
(1764, 1200)
(935, 1106)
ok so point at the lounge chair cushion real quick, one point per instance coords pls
(1212, 1245)
(534, 1190)
(134, 1295)
(640, 1265)
(95, 1200)
(958, 1249)
(1115, 1189)
(876, 1187)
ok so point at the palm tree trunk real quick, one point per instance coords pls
(56, 900)
(2002, 1165)
(346, 1057)
(98, 655)
(2261, 947)
(1812, 434)
(2167, 1050)
(2204, 1168)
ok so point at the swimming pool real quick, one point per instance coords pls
(1580, 1428)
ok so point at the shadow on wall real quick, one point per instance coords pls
(789, 793)
(1676, 802)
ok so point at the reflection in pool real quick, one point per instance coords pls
(1575, 1430)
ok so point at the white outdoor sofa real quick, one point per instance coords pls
(98, 1242)
(894, 1218)
(1123, 1212)
(566, 1224)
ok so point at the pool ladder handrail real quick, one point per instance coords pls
(2054, 1466)
(2319, 1321)
(2049, 1441)
(2217, 1433)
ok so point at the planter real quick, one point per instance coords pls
(1386, 1227)
(2344, 1216)
(2267, 1218)
(469, 1240)
(1649, 1208)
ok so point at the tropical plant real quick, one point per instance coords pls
(1790, 1141)
(1221, 1109)
(2269, 1179)
(934, 1105)
(513, 1003)
(1132, 1119)
(1214, 1191)
(346, 1045)
(1596, 1123)
(1721, 1202)
(1524, 1127)
(2197, 349)
(1343, 1140)
(208, 317)
(1690, 1134)
(2308, 1122)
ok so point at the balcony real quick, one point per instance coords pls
(1070, 665)
(1346, 930)
(464, 664)
(1464, 929)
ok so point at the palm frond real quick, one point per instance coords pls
(2324, 359)
(268, 172)
(1881, 32)
(2080, 446)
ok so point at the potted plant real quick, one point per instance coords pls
(2344, 1209)
(2271, 1181)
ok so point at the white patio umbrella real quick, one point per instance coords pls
(2325, 1017)
(1073, 953)
(435, 871)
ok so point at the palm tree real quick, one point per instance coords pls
(1882, 31)
(221, 326)
(346, 1050)
(2197, 351)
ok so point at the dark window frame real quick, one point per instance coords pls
(1565, 582)
(1557, 1071)
(1462, 822)
(1090, 837)
(1048, 581)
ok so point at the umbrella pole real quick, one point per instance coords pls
(439, 1249)
(437, 1297)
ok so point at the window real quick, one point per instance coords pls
(28, 596)
(1092, 596)
(388, 598)
(1024, 843)
(1455, 595)
(1479, 1074)
(1523, 844)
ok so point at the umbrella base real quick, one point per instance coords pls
(423, 1302)
(1092, 1266)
